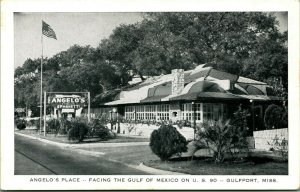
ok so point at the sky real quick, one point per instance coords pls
(72, 28)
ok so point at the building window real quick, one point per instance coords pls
(129, 112)
(163, 112)
(212, 111)
(150, 112)
(188, 111)
(140, 115)
(198, 111)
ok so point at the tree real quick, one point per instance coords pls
(19, 71)
(72, 70)
(118, 49)
(92, 77)
(74, 55)
(27, 94)
(31, 65)
(240, 119)
(279, 89)
(242, 43)
(276, 117)
(225, 40)
(269, 60)
(54, 81)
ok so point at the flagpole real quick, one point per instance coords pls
(47, 31)
(41, 94)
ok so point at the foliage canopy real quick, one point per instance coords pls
(247, 44)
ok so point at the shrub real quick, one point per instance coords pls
(38, 124)
(130, 127)
(183, 123)
(98, 129)
(167, 141)
(21, 124)
(52, 125)
(104, 133)
(78, 129)
(65, 125)
(240, 120)
(275, 117)
(104, 119)
(221, 138)
(33, 122)
(30, 123)
(280, 146)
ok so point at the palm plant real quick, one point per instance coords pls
(221, 138)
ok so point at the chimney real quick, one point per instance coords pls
(177, 81)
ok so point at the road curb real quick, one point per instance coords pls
(85, 145)
(124, 144)
(155, 171)
(44, 140)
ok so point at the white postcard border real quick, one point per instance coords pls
(11, 181)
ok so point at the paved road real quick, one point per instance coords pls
(33, 157)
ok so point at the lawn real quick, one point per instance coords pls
(254, 165)
(64, 138)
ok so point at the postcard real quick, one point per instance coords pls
(158, 95)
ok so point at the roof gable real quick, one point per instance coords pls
(199, 74)
(223, 75)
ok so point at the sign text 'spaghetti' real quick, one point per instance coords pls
(67, 102)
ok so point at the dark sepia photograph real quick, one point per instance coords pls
(151, 93)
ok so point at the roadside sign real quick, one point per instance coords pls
(67, 111)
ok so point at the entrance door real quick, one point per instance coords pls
(258, 118)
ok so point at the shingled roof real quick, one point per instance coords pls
(202, 83)
(208, 96)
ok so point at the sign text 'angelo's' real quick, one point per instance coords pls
(67, 102)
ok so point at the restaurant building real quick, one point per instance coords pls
(197, 96)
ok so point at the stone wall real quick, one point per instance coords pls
(262, 138)
(145, 130)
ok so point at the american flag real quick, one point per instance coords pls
(48, 31)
